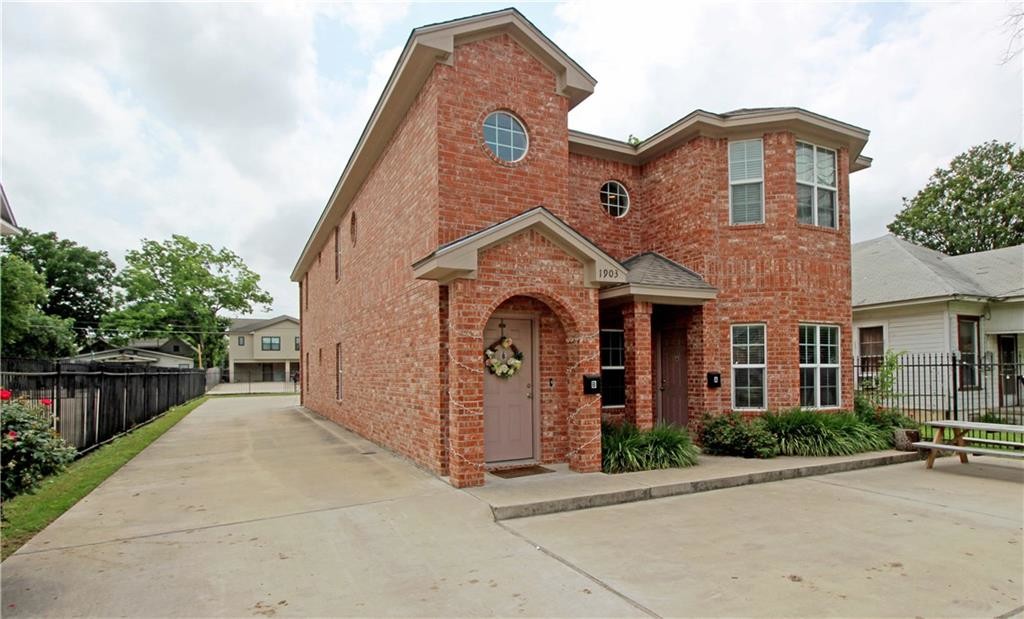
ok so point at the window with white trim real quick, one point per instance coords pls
(816, 186)
(615, 199)
(613, 368)
(505, 136)
(746, 182)
(748, 366)
(819, 366)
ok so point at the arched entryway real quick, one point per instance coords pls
(525, 416)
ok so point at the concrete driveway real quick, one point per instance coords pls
(251, 508)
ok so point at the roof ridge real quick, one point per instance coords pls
(932, 274)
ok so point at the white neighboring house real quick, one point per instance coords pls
(8, 225)
(263, 349)
(911, 299)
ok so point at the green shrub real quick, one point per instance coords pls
(990, 417)
(732, 435)
(626, 448)
(864, 410)
(809, 433)
(29, 448)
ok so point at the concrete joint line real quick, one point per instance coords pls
(212, 526)
(582, 572)
(1013, 613)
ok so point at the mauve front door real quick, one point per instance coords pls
(508, 402)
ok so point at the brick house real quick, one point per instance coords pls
(470, 211)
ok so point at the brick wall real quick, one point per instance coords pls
(381, 315)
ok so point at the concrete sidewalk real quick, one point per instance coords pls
(564, 490)
(254, 388)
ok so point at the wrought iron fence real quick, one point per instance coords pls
(95, 402)
(927, 387)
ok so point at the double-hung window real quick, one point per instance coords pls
(241, 340)
(746, 182)
(816, 193)
(270, 342)
(613, 368)
(967, 346)
(819, 366)
(748, 367)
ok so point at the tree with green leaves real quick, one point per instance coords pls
(178, 288)
(79, 281)
(25, 329)
(976, 204)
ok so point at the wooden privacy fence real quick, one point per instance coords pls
(92, 403)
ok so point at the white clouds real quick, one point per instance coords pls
(221, 121)
(924, 78)
(144, 120)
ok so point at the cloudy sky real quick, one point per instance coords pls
(231, 123)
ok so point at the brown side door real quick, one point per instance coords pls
(672, 407)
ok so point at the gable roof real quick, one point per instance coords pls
(250, 325)
(891, 270)
(809, 125)
(427, 46)
(8, 224)
(459, 258)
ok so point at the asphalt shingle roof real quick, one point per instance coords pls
(248, 325)
(653, 269)
(890, 270)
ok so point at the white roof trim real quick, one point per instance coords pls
(459, 259)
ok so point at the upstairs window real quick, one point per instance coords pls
(337, 254)
(816, 202)
(746, 182)
(505, 136)
(615, 199)
(297, 343)
(270, 342)
(241, 340)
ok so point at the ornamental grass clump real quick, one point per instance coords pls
(29, 448)
(801, 432)
(626, 448)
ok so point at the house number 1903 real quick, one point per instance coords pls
(609, 274)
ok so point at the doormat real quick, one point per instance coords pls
(521, 471)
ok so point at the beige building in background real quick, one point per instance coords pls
(263, 349)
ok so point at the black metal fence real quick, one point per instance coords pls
(94, 402)
(944, 386)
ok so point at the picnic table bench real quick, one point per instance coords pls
(960, 441)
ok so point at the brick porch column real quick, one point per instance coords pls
(636, 324)
(466, 403)
(585, 416)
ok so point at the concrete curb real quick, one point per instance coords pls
(554, 506)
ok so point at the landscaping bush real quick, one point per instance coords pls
(801, 432)
(626, 448)
(29, 448)
(882, 417)
(732, 435)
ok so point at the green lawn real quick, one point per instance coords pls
(28, 514)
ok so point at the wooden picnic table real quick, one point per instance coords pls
(959, 444)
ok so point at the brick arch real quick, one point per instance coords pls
(570, 321)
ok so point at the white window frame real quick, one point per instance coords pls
(814, 185)
(748, 366)
(606, 206)
(817, 366)
(615, 367)
(494, 150)
(747, 181)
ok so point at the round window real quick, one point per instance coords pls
(505, 136)
(614, 199)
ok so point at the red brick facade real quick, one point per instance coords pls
(411, 371)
